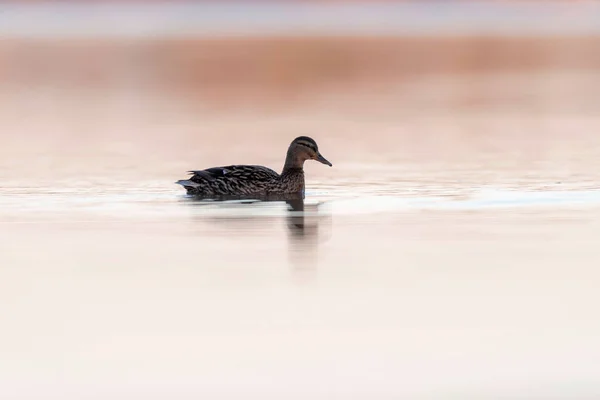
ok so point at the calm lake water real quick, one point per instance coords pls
(450, 253)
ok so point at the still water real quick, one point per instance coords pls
(140, 292)
(450, 253)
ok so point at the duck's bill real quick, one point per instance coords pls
(323, 160)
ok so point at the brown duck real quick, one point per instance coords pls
(255, 180)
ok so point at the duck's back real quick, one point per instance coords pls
(230, 180)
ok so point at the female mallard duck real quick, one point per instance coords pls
(243, 180)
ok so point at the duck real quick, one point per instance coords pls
(256, 180)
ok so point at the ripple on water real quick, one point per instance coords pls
(154, 203)
(485, 199)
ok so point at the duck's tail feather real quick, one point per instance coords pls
(187, 183)
(191, 187)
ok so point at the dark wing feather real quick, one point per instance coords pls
(208, 174)
(255, 172)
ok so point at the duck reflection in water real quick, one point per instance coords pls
(300, 221)
(303, 221)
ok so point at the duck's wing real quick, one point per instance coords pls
(253, 172)
(229, 180)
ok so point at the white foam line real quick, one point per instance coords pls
(80, 19)
(487, 200)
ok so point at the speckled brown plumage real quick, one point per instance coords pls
(244, 180)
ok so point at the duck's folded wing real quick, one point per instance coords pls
(233, 171)
(208, 174)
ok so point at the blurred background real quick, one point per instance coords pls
(450, 252)
(175, 85)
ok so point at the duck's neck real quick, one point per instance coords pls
(292, 176)
(293, 163)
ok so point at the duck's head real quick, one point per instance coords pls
(304, 148)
